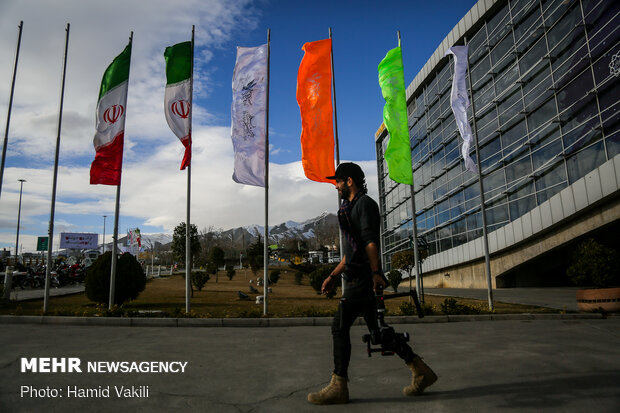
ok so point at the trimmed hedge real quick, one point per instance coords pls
(129, 283)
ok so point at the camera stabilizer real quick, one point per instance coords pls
(384, 336)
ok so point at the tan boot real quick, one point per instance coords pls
(423, 377)
(334, 393)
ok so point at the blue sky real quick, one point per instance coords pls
(153, 192)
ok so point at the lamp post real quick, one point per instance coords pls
(104, 217)
(19, 213)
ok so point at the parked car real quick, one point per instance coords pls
(89, 257)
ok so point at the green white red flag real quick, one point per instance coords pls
(178, 96)
(110, 124)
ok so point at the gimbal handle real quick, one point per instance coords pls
(411, 293)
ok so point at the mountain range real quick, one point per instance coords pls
(323, 229)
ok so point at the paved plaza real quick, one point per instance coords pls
(520, 365)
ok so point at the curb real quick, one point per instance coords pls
(277, 322)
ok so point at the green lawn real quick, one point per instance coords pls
(166, 297)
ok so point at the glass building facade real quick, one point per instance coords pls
(545, 79)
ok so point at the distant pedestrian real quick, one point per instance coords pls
(360, 268)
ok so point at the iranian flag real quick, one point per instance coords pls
(178, 96)
(111, 110)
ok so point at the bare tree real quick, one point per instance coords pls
(404, 260)
(326, 233)
(208, 237)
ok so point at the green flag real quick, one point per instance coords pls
(398, 151)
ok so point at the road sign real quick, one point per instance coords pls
(42, 243)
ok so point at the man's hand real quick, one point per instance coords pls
(378, 280)
(328, 284)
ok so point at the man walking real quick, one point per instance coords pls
(360, 268)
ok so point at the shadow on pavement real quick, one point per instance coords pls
(549, 393)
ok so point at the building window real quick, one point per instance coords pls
(547, 113)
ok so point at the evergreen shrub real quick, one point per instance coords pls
(130, 279)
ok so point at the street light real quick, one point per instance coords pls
(104, 217)
(19, 213)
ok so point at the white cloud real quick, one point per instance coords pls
(99, 31)
(216, 199)
(153, 188)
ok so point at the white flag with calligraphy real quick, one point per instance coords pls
(460, 102)
(248, 115)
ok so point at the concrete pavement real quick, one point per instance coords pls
(17, 294)
(561, 298)
(567, 365)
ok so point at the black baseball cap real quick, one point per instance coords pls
(348, 170)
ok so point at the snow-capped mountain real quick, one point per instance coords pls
(306, 230)
(154, 239)
(148, 240)
(323, 228)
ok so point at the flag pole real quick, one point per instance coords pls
(485, 235)
(188, 243)
(8, 116)
(55, 179)
(114, 247)
(116, 215)
(266, 230)
(334, 98)
(416, 254)
(336, 141)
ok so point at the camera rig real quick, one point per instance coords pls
(384, 336)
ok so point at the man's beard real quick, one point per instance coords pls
(345, 191)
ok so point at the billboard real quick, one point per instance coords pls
(78, 240)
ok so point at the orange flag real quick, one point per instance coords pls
(314, 96)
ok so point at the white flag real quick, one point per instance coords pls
(460, 102)
(248, 115)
